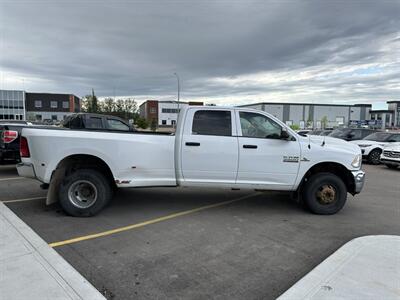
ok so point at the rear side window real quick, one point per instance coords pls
(117, 125)
(94, 123)
(212, 122)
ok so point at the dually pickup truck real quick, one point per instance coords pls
(212, 147)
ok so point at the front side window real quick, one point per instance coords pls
(395, 138)
(117, 125)
(38, 103)
(255, 125)
(53, 104)
(212, 122)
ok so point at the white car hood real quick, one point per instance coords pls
(392, 147)
(331, 142)
(368, 142)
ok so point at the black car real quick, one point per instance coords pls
(98, 122)
(351, 134)
(10, 133)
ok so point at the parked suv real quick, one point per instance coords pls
(391, 155)
(351, 134)
(372, 145)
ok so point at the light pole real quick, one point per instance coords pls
(179, 87)
(179, 91)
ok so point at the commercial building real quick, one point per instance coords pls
(47, 106)
(164, 112)
(12, 105)
(309, 115)
(21, 105)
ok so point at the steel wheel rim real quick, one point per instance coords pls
(82, 194)
(326, 194)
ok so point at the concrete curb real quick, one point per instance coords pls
(364, 268)
(30, 269)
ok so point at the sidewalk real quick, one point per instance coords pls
(30, 269)
(364, 268)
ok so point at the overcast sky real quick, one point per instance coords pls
(225, 52)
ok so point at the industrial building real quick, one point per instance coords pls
(12, 105)
(310, 115)
(21, 105)
(47, 106)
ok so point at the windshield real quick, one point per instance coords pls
(340, 132)
(378, 136)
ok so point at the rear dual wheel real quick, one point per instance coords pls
(84, 193)
(324, 194)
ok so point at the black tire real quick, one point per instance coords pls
(374, 157)
(390, 166)
(84, 193)
(318, 190)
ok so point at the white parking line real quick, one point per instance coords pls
(22, 200)
(11, 178)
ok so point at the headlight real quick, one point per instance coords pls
(356, 163)
(364, 146)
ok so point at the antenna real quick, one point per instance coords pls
(309, 141)
(323, 141)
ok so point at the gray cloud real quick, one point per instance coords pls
(224, 51)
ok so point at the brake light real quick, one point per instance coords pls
(23, 147)
(9, 136)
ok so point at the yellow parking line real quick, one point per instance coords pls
(11, 178)
(22, 200)
(149, 222)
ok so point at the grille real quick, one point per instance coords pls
(393, 154)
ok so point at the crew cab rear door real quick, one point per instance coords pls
(265, 159)
(209, 152)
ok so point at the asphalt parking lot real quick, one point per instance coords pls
(196, 244)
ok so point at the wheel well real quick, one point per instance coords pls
(335, 168)
(85, 161)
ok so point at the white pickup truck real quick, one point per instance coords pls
(212, 147)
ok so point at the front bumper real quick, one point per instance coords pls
(385, 160)
(359, 179)
(26, 170)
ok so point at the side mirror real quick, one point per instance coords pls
(284, 134)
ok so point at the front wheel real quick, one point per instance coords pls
(84, 193)
(324, 194)
(374, 157)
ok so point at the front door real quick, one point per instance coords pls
(209, 147)
(264, 157)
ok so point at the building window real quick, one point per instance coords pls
(38, 103)
(38, 117)
(53, 104)
(54, 117)
(164, 122)
(153, 110)
(170, 110)
(65, 104)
